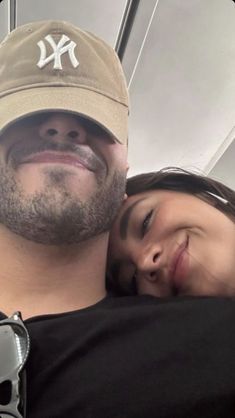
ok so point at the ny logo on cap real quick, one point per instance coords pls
(58, 50)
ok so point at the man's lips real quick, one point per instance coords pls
(55, 157)
(179, 265)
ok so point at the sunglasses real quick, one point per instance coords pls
(14, 350)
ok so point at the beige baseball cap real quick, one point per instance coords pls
(53, 65)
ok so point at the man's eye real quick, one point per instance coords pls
(145, 223)
(95, 130)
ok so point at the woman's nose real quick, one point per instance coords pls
(62, 127)
(149, 261)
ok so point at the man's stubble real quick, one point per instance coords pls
(56, 216)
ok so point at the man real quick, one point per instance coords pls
(62, 176)
(63, 124)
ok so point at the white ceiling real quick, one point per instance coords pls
(180, 66)
(183, 87)
(97, 16)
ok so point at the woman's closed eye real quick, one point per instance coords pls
(146, 222)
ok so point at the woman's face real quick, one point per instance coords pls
(167, 243)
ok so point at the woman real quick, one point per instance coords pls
(174, 235)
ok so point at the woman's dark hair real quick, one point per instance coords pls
(177, 179)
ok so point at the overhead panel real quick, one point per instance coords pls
(224, 169)
(100, 17)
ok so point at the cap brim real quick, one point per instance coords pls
(110, 114)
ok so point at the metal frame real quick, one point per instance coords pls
(126, 26)
(12, 15)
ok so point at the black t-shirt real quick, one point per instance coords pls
(134, 357)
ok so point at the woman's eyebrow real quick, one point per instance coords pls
(124, 221)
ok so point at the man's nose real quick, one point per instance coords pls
(62, 127)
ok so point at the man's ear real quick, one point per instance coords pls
(125, 197)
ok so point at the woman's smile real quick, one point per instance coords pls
(179, 266)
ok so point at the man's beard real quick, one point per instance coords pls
(55, 216)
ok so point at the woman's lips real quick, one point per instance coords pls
(179, 267)
(48, 157)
